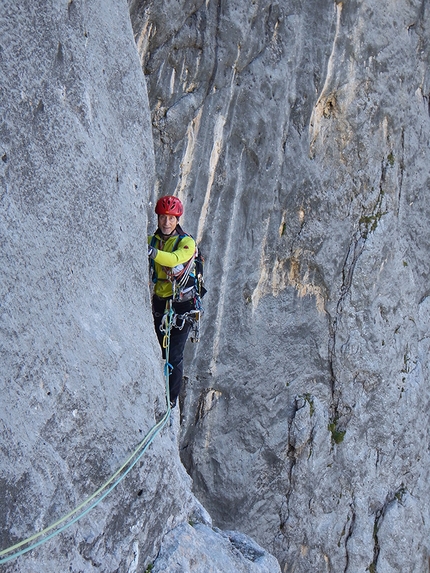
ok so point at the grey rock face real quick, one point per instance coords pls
(297, 136)
(201, 549)
(81, 374)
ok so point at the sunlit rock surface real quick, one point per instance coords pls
(297, 135)
(82, 385)
(201, 549)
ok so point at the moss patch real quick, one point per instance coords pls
(336, 435)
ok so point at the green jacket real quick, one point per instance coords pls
(166, 260)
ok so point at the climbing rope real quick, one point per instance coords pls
(79, 511)
(179, 280)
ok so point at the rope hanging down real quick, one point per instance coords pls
(109, 486)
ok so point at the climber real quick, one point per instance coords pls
(171, 253)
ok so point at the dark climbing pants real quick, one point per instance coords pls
(178, 338)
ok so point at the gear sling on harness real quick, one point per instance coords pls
(187, 285)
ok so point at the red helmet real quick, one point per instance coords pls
(169, 205)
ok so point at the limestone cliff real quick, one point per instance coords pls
(297, 134)
(81, 373)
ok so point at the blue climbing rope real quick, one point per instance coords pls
(79, 511)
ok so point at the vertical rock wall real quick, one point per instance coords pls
(80, 374)
(297, 135)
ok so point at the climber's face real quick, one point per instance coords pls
(167, 224)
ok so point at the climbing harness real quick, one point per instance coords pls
(180, 277)
(194, 315)
(93, 500)
(183, 291)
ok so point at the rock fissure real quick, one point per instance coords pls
(213, 73)
(349, 532)
(401, 169)
(296, 135)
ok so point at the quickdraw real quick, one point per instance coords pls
(167, 323)
(172, 320)
(180, 281)
(189, 316)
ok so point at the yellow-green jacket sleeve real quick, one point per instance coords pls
(182, 254)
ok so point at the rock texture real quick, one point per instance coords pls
(297, 135)
(201, 549)
(78, 388)
(81, 376)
